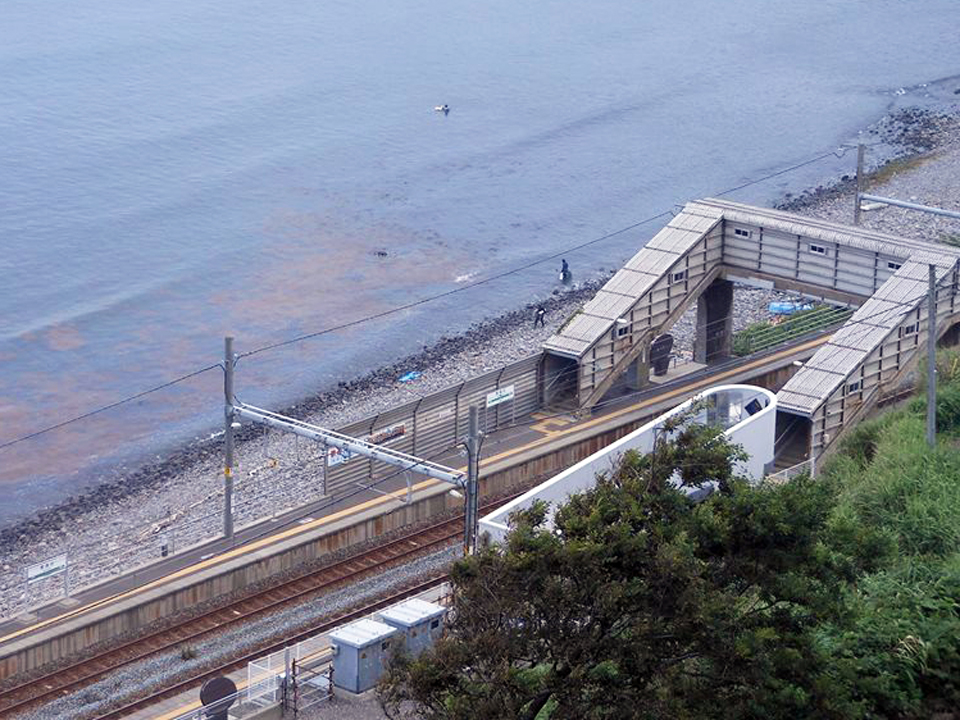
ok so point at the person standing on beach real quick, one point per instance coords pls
(564, 271)
(538, 318)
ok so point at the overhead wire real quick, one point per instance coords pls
(112, 405)
(553, 256)
(839, 152)
(453, 291)
(402, 308)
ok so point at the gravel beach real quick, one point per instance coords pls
(125, 520)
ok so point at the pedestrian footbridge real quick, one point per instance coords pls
(712, 243)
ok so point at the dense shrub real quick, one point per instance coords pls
(948, 408)
(897, 525)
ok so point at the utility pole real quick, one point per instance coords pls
(471, 518)
(228, 360)
(856, 208)
(932, 358)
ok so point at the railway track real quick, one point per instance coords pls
(84, 672)
(239, 662)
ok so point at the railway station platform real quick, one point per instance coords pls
(515, 457)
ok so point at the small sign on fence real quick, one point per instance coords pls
(338, 456)
(501, 395)
(47, 568)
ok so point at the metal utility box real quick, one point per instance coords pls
(361, 650)
(420, 621)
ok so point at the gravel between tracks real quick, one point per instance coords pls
(114, 528)
(135, 680)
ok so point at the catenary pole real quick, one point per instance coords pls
(856, 208)
(228, 360)
(471, 519)
(932, 358)
(910, 205)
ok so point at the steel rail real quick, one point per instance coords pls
(197, 679)
(60, 682)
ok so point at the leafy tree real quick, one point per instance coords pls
(639, 603)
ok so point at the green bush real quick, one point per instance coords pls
(896, 526)
(901, 642)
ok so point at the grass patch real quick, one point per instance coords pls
(763, 335)
(909, 490)
(950, 239)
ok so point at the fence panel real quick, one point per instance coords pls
(436, 427)
(394, 429)
(435, 423)
(343, 469)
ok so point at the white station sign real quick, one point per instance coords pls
(47, 568)
(501, 395)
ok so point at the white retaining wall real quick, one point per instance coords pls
(756, 434)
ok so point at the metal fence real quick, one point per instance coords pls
(436, 423)
(305, 688)
(789, 473)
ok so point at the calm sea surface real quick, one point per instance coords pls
(177, 170)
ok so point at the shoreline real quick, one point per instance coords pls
(131, 508)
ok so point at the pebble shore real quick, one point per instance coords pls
(124, 522)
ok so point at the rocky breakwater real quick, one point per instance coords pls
(912, 155)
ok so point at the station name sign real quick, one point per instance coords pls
(47, 568)
(501, 395)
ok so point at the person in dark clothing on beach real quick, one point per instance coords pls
(538, 318)
(564, 271)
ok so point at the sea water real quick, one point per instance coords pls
(177, 170)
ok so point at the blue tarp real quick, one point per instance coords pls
(786, 308)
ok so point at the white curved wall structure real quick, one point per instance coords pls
(748, 414)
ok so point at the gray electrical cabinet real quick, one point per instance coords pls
(360, 651)
(420, 621)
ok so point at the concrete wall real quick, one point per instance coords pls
(755, 433)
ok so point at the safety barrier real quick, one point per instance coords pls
(436, 423)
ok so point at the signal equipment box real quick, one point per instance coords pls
(420, 621)
(360, 652)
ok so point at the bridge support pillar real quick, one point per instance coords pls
(714, 339)
(638, 374)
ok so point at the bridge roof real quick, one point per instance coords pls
(827, 231)
(849, 346)
(862, 334)
(629, 284)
